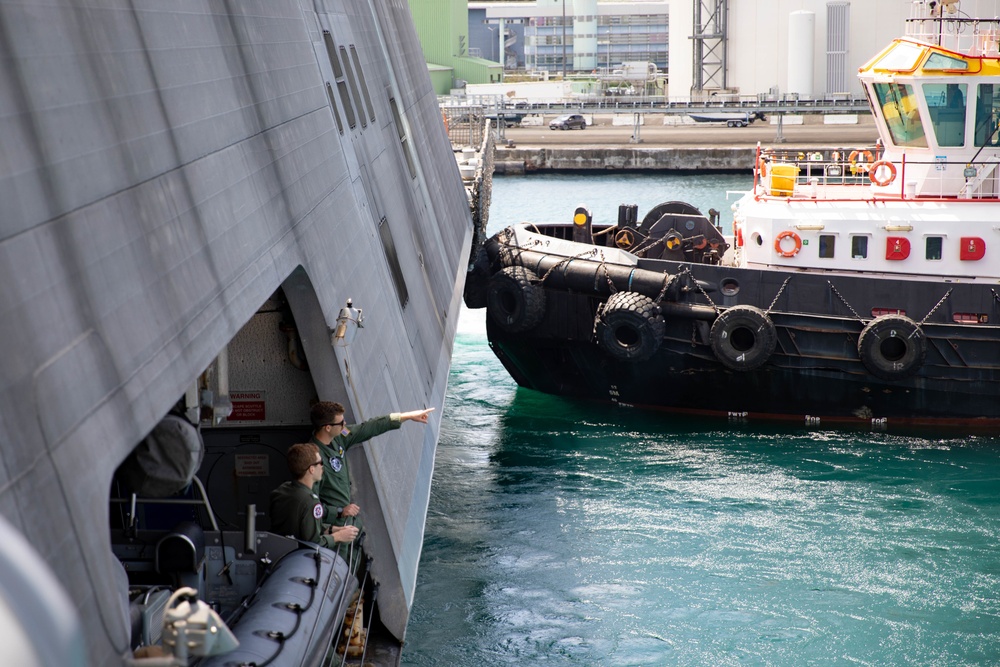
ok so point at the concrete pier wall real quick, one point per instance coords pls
(623, 158)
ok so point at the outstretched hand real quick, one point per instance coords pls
(416, 415)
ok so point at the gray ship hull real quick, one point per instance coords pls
(166, 168)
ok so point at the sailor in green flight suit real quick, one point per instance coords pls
(296, 509)
(334, 438)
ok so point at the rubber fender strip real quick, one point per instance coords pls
(538, 265)
(630, 274)
(565, 266)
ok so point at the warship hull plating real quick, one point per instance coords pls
(191, 192)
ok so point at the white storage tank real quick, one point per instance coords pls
(801, 52)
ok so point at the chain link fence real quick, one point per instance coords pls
(465, 125)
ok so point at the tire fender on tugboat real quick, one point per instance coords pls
(630, 327)
(743, 338)
(513, 299)
(892, 347)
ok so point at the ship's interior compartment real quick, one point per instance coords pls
(189, 507)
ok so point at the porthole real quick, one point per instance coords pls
(730, 287)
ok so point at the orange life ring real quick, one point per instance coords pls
(444, 117)
(882, 182)
(866, 159)
(781, 237)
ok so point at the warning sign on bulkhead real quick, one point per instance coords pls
(248, 406)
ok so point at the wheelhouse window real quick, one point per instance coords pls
(898, 104)
(902, 57)
(934, 245)
(827, 243)
(946, 103)
(987, 130)
(940, 61)
(859, 247)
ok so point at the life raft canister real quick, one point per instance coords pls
(892, 347)
(796, 243)
(514, 299)
(630, 326)
(743, 338)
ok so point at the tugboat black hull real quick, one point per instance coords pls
(751, 345)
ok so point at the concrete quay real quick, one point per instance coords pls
(685, 147)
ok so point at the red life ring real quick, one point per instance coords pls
(882, 182)
(781, 237)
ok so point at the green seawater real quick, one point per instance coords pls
(571, 533)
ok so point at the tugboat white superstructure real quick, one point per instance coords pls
(861, 285)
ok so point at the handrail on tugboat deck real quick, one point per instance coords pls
(971, 36)
(840, 174)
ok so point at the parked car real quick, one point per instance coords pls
(568, 122)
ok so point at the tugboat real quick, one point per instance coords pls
(860, 287)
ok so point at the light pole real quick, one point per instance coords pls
(493, 48)
(564, 38)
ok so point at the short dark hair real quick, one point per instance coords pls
(325, 412)
(300, 456)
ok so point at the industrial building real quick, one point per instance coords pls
(443, 29)
(804, 48)
(571, 36)
(784, 48)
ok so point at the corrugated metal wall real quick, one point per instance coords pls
(838, 37)
(443, 29)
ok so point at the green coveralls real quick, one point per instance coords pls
(297, 511)
(335, 488)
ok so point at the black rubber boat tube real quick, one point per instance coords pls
(594, 277)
